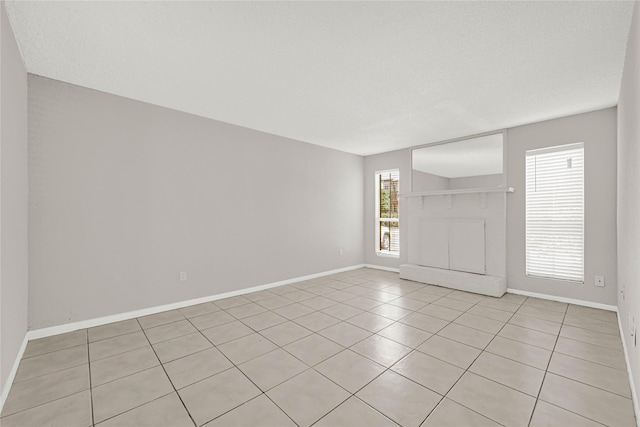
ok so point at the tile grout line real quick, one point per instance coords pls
(93, 420)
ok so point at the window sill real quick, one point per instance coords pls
(387, 254)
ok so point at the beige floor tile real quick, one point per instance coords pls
(293, 311)
(458, 354)
(520, 352)
(199, 309)
(406, 302)
(499, 403)
(437, 290)
(116, 345)
(31, 393)
(287, 289)
(350, 370)
(481, 323)
(316, 321)
(536, 324)
(593, 353)
(587, 401)
(592, 313)
(529, 336)
(246, 348)
(594, 374)
(424, 322)
(548, 415)
(212, 397)
(371, 322)
(271, 369)
(591, 337)
(465, 296)
(126, 393)
(514, 298)
(122, 365)
(181, 346)
(339, 296)
(405, 334)
(274, 302)
(342, 311)
(345, 334)
(381, 350)
(453, 304)
(259, 411)
(428, 371)
(227, 332)
(111, 330)
(358, 290)
(318, 302)
(400, 399)
(423, 296)
(519, 376)
(440, 312)
(307, 397)
(195, 367)
(246, 310)
(466, 335)
(490, 313)
(169, 331)
(313, 349)
(560, 307)
(500, 304)
(55, 343)
(391, 311)
(259, 296)
(381, 296)
(211, 320)
(363, 303)
(299, 295)
(231, 302)
(593, 325)
(49, 363)
(354, 412)
(160, 319)
(450, 414)
(165, 411)
(70, 411)
(263, 320)
(285, 333)
(540, 313)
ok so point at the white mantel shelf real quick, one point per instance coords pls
(460, 191)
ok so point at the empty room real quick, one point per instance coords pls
(327, 213)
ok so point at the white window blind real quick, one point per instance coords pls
(387, 213)
(555, 212)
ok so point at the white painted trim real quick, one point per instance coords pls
(74, 326)
(634, 393)
(380, 267)
(563, 299)
(13, 372)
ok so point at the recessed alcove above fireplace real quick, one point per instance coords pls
(457, 215)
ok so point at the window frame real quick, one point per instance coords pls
(530, 211)
(377, 219)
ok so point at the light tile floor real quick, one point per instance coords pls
(360, 348)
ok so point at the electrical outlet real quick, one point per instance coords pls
(183, 276)
(622, 291)
(599, 281)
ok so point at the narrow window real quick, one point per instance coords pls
(555, 212)
(387, 230)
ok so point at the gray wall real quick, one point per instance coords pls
(13, 200)
(629, 195)
(598, 132)
(125, 195)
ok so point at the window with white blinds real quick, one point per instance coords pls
(387, 213)
(555, 212)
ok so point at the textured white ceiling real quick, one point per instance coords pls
(356, 76)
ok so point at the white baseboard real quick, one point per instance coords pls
(90, 323)
(632, 384)
(13, 372)
(563, 299)
(380, 267)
